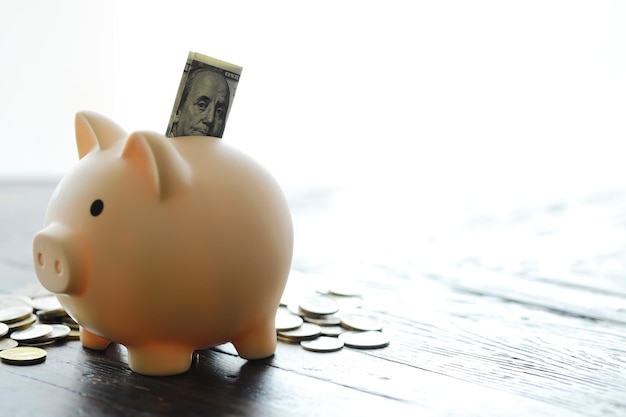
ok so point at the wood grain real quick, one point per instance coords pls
(476, 330)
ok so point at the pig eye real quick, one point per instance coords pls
(96, 207)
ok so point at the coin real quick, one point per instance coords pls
(69, 322)
(304, 332)
(51, 315)
(332, 331)
(37, 342)
(7, 343)
(37, 331)
(365, 340)
(7, 301)
(59, 331)
(73, 335)
(363, 322)
(15, 314)
(23, 324)
(23, 355)
(47, 303)
(287, 321)
(323, 344)
(328, 320)
(319, 305)
(344, 289)
(4, 329)
(294, 308)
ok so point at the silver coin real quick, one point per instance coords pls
(22, 324)
(38, 331)
(322, 344)
(37, 342)
(365, 340)
(287, 321)
(363, 322)
(10, 300)
(4, 329)
(59, 331)
(7, 343)
(304, 332)
(14, 314)
(319, 305)
(328, 320)
(47, 303)
(344, 289)
(332, 331)
(294, 308)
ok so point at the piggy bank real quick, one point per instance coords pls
(165, 245)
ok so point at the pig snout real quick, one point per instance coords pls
(59, 259)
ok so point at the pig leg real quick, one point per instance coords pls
(259, 342)
(159, 359)
(92, 341)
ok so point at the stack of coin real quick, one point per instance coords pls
(26, 323)
(327, 320)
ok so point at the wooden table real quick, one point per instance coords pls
(509, 313)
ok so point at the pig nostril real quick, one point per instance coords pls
(41, 260)
(58, 267)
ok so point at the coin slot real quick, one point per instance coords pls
(58, 267)
(41, 260)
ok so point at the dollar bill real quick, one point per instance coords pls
(204, 98)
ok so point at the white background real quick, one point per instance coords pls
(447, 101)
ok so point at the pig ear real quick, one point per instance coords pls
(158, 161)
(94, 130)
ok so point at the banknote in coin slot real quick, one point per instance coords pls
(205, 97)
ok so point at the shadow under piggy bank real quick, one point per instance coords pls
(212, 381)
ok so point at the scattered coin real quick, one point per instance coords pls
(304, 332)
(344, 289)
(323, 344)
(365, 340)
(51, 315)
(328, 320)
(22, 324)
(287, 321)
(37, 342)
(7, 343)
(23, 355)
(47, 303)
(335, 307)
(74, 334)
(363, 322)
(332, 331)
(319, 305)
(4, 329)
(294, 308)
(59, 331)
(15, 314)
(7, 301)
(69, 322)
(38, 331)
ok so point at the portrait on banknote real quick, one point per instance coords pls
(204, 98)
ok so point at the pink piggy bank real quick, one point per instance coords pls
(166, 245)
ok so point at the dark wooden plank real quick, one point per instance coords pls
(505, 344)
(531, 350)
